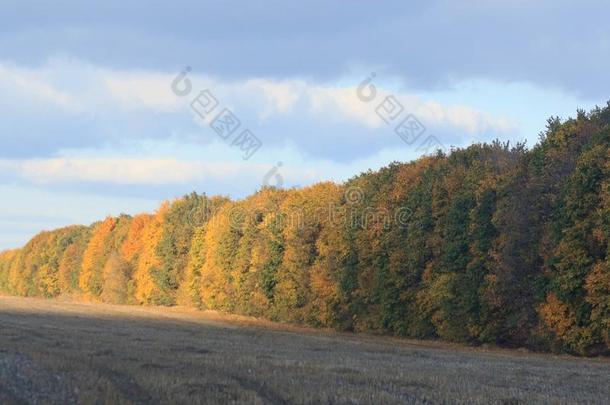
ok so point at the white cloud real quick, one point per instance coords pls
(462, 117)
(141, 90)
(108, 108)
(34, 85)
(129, 90)
(341, 103)
(280, 96)
(154, 171)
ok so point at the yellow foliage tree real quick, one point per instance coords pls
(311, 214)
(148, 260)
(69, 268)
(91, 279)
(6, 258)
(115, 273)
(188, 293)
(332, 250)
(133, 244)
(217, 288)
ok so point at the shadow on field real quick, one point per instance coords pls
(73, 353)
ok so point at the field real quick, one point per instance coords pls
(67, 352)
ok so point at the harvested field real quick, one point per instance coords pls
(69, 352)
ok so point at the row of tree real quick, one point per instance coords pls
(489, 244)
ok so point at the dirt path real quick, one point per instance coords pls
(67, 352)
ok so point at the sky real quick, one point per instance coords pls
(112, 108)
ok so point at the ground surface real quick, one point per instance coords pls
(66, 352)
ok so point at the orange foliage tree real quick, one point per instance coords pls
(148, 261)
(94, 258)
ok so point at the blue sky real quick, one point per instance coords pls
(90, 126)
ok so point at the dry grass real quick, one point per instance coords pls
(67, 352)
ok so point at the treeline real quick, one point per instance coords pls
(490, 244)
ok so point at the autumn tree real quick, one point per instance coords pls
(182, 217)
(115, 275)
(200, 214)
(106, 237)
(148, 261)
(6, 259)
(578, 265)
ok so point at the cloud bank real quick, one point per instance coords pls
(69, 104)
